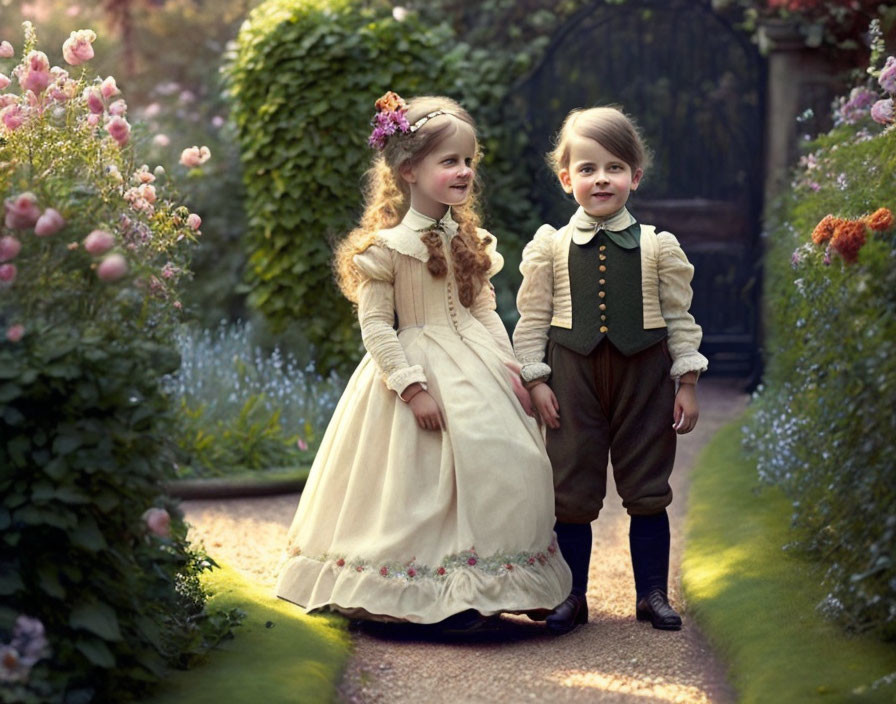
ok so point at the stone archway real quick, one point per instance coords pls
(695, 84)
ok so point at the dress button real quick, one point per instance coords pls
(603, 306)
(601, 293)
(604, 328)
(603, 317)
(602, 282)
(602, 268)
(602, 247)
(603, 257)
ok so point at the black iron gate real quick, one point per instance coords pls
(695, 85)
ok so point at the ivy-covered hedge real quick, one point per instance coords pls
(824, 428)
(303, 81)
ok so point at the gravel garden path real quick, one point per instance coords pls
(613, 658)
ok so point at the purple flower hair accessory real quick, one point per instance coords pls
(389, 119)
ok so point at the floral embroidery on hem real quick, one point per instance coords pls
(467, 559)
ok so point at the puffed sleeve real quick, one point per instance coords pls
(376, 314)
(484, 308)
(675, 293)
(535, 302)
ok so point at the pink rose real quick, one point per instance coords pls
(112, 268)
(49, 223)
(21, 212)
(95, 101)
(194, 221)
(109, 88)
(161, 140)
(158, 522)
(35, 74)
(93, 120)
(119, 128)
(882, 111)
(887, 78)
(99, 242)
(119, 108)
(78, 47)
(6, 50)
(9, 248)
(4, 81)
(147, 192)
(15, 332)
(13, 117)
(301, 444)
(194, 156)
(8, 273)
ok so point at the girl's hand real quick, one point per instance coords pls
(686, 412)
(518, 389)
(426, 411)
(546, 406)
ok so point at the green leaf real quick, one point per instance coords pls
(97, 618)
(48, 576)
(96, 651)
(88, 535)
(10, 582)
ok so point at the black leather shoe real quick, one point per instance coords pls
(655, 608)
(571, 613)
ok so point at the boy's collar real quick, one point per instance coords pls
(585, 226)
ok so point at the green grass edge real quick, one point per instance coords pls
(757, 602)
(279, 654)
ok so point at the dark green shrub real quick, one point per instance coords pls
(303, 82)
(824, 427)
(108, 594)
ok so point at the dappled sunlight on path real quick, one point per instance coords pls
(613, 658)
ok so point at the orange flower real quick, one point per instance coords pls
(389, 102)
(849, 236)
(825, 229)
(880, 220)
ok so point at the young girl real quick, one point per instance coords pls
(430, 499)
(606, 300)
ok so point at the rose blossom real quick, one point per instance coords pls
(49, 223)
(9, 248)
(4, 81)
(8, 273)
(93, 119)
(119, 128)
(887, 78)
(99, 242)
(77, 48)
(15, 332)
(6, 50)
(194, 156)
(158, 521)
(194, 221)
(882, 111)
(119, 108)
(35, 74)
(21, 212)
(112, 268)
(13, 117)
(161, 140)
(95, 101)
(109, 88)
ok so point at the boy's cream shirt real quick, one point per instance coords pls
(544, 299)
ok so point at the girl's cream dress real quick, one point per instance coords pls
(399, 523)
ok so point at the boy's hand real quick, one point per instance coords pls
(686, 410)
(518, 389)
(426, 411)
(545, 404)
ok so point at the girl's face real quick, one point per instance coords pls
(599, 180)
(444, 177)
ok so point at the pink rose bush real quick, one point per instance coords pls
(195, 156)
(51, 236)
(158, 522)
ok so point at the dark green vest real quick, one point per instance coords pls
(605, 286)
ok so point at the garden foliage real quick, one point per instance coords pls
(824, 427)
(99, 586)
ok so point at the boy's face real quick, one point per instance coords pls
(599, 180)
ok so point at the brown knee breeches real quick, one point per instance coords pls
(617, 407)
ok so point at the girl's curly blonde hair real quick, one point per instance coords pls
(387, 199)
